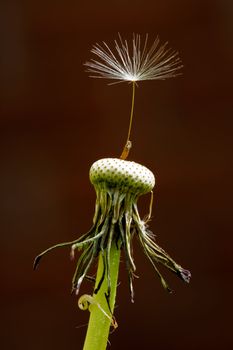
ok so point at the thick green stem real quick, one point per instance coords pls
(99, 323)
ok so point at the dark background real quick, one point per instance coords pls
(55, 122)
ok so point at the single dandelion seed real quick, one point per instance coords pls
(133, 63)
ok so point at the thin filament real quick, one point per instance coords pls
(128, 144)
(131, 113)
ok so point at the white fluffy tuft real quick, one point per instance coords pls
(134, 63)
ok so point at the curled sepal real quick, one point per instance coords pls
(86, 301)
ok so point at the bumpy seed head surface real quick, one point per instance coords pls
(122, 174)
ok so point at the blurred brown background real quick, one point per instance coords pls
(55, 121)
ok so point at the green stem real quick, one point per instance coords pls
(99, 323)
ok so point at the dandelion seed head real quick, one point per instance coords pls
(134, 61)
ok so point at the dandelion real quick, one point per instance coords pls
(118, 184)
